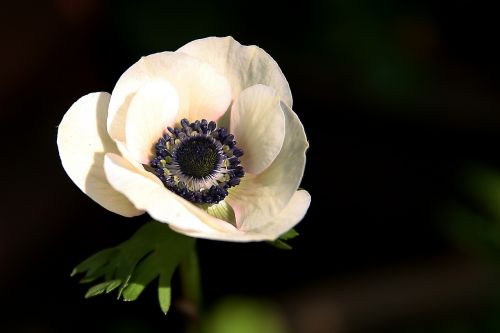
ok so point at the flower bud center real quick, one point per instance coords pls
(197, 157)
(198, 161)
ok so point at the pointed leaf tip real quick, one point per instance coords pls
(113, 285)
(164, 292)
(280, 245)
(290, 234)
(164, 295)
(98, 289)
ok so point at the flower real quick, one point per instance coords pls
(203, 138)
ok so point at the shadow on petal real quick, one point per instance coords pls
(96, 184)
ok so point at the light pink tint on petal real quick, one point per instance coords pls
(202, 91)
(244, 66)
(258, 124)
(260, 197)
(153, 108)
(82, 140)
(163, 205)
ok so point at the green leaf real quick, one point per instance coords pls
(94, 262)
(113, 285)
(154, 251)
(281, 243)
(100, 288)
(290, 234)
(144, 274)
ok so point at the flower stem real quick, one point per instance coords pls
(189, 272)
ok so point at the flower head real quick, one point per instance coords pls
(203, 138)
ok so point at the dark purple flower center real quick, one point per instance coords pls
(198, 161)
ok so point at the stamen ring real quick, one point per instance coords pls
(198, 161)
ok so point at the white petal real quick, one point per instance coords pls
(293, 213)
(82, 141)
(163, 205)
(260, 197)
(152, 109)
(202, 91)
(244, 66)
(271, 229)
(258, 124)
(184, 217)
(128, 157)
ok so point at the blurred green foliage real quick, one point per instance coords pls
(243, 315)
(373, 40)
(474, 222)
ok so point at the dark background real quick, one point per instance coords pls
(400, 101)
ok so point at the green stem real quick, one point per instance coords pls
(189, 271)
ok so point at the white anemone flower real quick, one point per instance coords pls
(203, 139)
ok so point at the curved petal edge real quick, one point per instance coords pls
(82, 141)
(243, 65)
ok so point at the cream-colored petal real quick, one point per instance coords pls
(265, 195)
(135, 164)
(82, 141)
(244, 66)
(163, 205)
(292, 214)
(258, 124)
(202, 91)
(152, 109)
(271, 228)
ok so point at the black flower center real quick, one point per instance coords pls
(197, 156)
(198, 161)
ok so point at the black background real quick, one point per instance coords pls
(397, 99)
